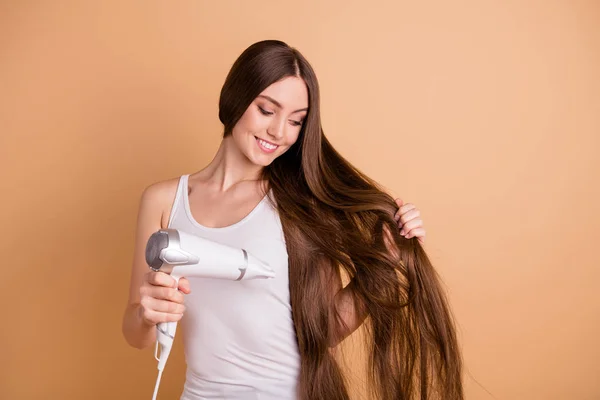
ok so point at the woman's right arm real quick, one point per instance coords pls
(153, 297)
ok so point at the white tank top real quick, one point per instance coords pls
(239, 336)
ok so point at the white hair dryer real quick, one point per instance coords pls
(181, 254)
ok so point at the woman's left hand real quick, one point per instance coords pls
(409, 221)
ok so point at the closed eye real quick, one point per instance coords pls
(264, 112)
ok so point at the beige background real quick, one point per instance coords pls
(484, 114)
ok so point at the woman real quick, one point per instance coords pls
(277, 188)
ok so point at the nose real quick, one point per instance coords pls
(276, 129)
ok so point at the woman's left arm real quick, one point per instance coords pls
(349, 310)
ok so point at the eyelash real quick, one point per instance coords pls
(265, 112)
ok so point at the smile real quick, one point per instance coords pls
(266, 146)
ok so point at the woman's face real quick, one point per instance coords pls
(272, 122)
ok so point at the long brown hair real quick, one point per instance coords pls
(337, 219)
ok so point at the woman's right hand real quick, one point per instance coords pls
(160, 300)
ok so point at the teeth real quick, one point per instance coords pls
(267, 145)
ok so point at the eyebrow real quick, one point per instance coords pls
(278, 104)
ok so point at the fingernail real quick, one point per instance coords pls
(402, 232)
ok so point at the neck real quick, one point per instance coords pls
(230, 167)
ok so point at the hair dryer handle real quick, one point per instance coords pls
(165, 334)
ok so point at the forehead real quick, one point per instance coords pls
(290, 92)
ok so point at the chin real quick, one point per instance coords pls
(263, 162)
(260, 160)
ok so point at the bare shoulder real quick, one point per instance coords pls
(159, 196)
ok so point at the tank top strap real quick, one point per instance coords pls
(178, 202)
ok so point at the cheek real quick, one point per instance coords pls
(250, 122)
(293, 138)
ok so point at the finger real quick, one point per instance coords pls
(403, 210)
(419, 233)
(160, 279)
(399, 203)
(162, 306)
(184, 286)
(161, 292)
(164, 293)
(407, 207)
(410, 225)
(409, 216)
(152, 317)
